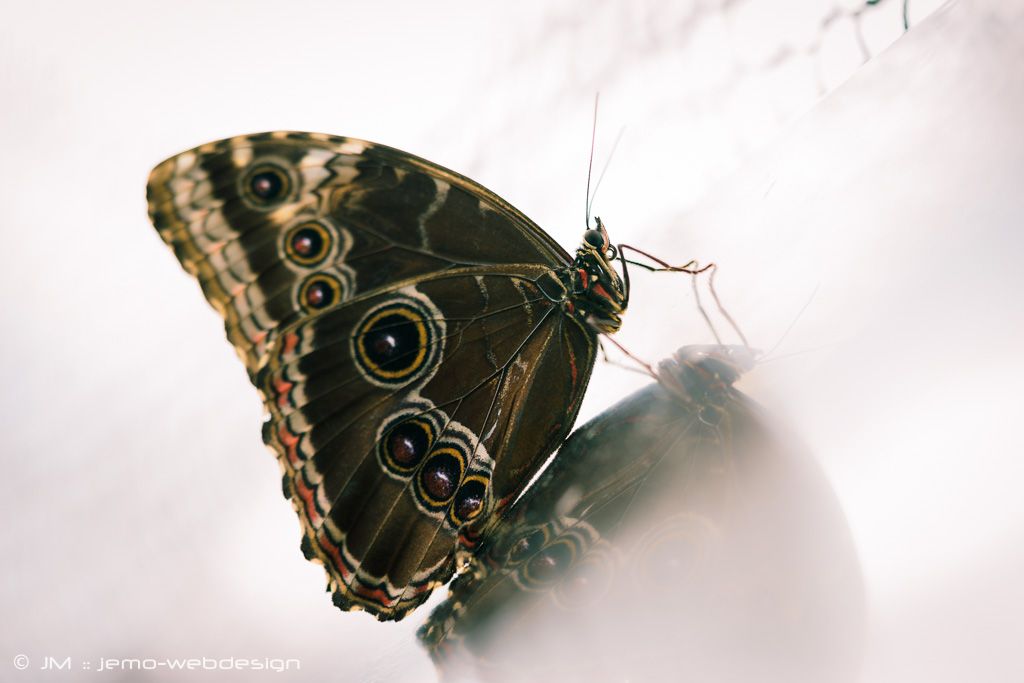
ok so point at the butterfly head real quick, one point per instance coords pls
(699, 373)
(597, 288)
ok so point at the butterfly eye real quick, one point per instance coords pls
(307, 244)
(439, 477)
(596, 239)
(319, 292)
(469, 501)
(266, 185)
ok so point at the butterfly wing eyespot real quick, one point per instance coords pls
(267, 184)
(470, 500)
(439, 477)
(406, 444)
(525, 544)
(548, 564)
(308, 244)
(320, 291)
(397, 342)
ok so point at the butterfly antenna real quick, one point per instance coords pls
(801, 352)
(791, 325)
(604, 170)
(590, 164)
(644, 365)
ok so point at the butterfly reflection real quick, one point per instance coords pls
(679, 534)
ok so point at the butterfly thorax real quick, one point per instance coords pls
(596, 290)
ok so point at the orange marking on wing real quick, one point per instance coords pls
(377, 595)
(572, 365)
(258, 337)
(583, 277)
(307, 495)
(601, 291)
(283, 389)
(502, 503)
(336, 558)
(290, 443)
(291, 340)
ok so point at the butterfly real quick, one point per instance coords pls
(673, 530)
(419, 344)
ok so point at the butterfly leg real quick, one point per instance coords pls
(693, 268)
(645, 367)
(721, 309)
(607, 359)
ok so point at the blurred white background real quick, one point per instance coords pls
(143, 516)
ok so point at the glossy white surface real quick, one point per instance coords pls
(143, 517)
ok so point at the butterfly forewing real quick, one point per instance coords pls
(277, 225)
(407, 329)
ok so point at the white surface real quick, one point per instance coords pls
(143, 517)
(899, 199)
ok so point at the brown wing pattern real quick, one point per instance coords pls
(393, 460)
(676, 529)
(665, 449)
(276, 225)
(408, 330)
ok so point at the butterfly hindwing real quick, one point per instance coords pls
(367, 446)
(677, 528)
(603, 507)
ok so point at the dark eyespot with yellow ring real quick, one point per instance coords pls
(319, 292)
(550, 563)
(307, 244)
(469, 501)
(267, 185)
(527, 544)
(439, 477)
(406, 444)
(393, 343)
